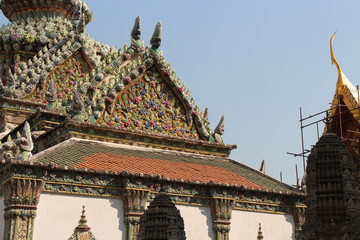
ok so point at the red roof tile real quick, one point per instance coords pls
(169, 169)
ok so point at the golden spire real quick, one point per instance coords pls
(341, 76)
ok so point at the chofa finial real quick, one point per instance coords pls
(219, 130)
(156, 37)
(136, 30)
(220, 127)
(341, 76)
(206, 114)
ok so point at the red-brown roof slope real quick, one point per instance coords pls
(169, 169)
(170, 164)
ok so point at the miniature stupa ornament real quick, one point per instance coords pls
(83, 222)
(82, 231)
(260, 235)
(341, 76)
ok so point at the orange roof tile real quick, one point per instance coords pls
(169, 169)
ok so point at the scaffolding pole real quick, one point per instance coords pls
(302, 139)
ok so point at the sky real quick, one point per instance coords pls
(257, 62)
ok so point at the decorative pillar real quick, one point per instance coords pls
(21, 197)
(221, 209)
(134, 207)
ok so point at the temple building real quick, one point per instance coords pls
(85, 124)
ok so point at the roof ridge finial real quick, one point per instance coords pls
(156, 37)
(136, 30)
(262, 167)
(341, 76)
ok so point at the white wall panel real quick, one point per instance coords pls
(198, 222)
(59, 214)
(244, 225)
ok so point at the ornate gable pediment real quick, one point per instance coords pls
(61, 82)
(133, 88)
(149, 103)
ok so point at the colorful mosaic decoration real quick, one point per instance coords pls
(131, 88)
(148, 104)
(65, 79)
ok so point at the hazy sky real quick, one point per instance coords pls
(257, 62)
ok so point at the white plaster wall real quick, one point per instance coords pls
(197, 221)
(245, 225)
(2, 222)
(59, 214)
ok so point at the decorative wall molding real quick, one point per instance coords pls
(101, 184)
